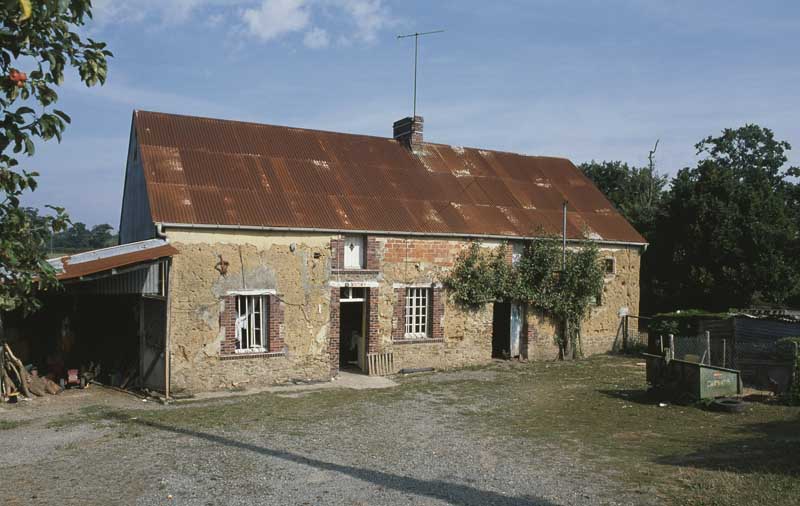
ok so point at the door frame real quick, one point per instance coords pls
(362, 343)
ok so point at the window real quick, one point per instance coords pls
(350, 294)
(251, 319)
(354, 252)
(417, 311)
(608, 266)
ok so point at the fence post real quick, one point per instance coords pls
(672, 346)
(724, 354)
(708, 345)
(625, 334)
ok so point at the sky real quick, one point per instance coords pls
(584, 80)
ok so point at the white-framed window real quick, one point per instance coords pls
(354, 252)
(417, 312)
(609, 266)
(251, 323)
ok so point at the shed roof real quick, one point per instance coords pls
(202, 171)
(100, 260)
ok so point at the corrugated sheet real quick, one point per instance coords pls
(97, 261)
(217, 172)
(143, 279)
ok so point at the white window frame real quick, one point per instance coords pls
(417, 312)
(359, 242)
(252, 318)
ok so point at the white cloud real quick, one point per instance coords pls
(316, 38)
(369, 16)
(136, 11)
(319, 21)
(274, 18)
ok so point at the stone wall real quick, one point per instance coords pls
(297, 270)
(600, 331)
(458, 337)
(296, 267)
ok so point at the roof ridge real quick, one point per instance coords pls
(240, 122)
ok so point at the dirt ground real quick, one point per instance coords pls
(506, 434)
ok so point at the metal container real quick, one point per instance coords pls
(684, 380)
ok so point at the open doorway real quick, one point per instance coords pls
(352, 328)
(506, 330)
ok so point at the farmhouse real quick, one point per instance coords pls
(269, 254)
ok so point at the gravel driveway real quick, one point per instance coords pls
(423, 442)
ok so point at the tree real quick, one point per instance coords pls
(637, 192)
(730, 233)
(77, 237)
(40, 37)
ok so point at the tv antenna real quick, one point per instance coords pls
(416, 36)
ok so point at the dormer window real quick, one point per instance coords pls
(354, 252)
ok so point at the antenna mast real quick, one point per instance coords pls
(416, 36)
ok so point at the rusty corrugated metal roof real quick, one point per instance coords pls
(96, 261)
(220, 172)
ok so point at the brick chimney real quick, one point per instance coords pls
(408, 131)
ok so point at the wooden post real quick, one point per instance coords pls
(724, 354)
(708, 346)
(672, 347)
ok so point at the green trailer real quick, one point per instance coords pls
(684, 380)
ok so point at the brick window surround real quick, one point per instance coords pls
(337, 255)
(275, 316)
(371, 306)
(436, 328)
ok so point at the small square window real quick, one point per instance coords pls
(609, 266)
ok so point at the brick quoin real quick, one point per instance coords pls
(372, 321)
(437, 313)
(275, 324)
(333, 333)
(337, 253)
(398, 314)
(373, 262)
(227, 320)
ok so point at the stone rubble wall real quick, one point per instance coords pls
(298, 268)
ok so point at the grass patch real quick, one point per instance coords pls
(595, 410)
(598, 409)
(9, 424)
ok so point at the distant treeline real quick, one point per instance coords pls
(76, 238)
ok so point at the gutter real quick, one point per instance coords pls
(160, 226)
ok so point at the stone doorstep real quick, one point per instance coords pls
(343, 380)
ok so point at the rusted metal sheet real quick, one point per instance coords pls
(217, 172)
(93, 262)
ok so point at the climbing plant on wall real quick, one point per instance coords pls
(541, 279)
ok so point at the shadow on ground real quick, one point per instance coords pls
(451, 493)
(771, 448)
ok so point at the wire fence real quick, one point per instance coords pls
(710, 348)
(702, 349)
(635, 337)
